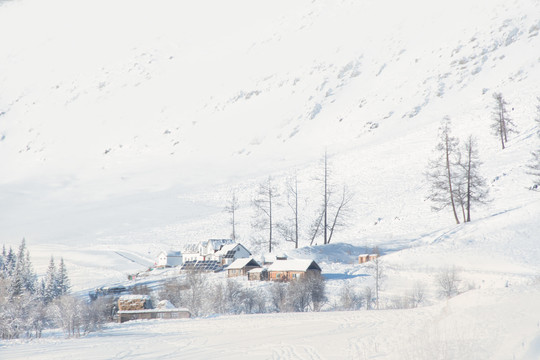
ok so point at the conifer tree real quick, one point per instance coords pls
(502, 123)
(472, 186)
(62, 280)
(50, 292)
(11, 260)
(441, 171)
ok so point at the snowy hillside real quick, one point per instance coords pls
(125, 125)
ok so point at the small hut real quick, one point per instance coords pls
(258, 274)
(241, 267)
(363, 258)
(137, 307)
(134, 302)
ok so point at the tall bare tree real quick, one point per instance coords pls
(232, 206)
(342, 208)
(263, 203)
(502, 123)
(289, 229)
(333, 212)
(534, 163)
(441, 173)
(377, 269)
(472, 186)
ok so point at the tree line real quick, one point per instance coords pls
(454, 173)
(332, 210)
(29, 305)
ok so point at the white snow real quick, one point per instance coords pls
(125, 125)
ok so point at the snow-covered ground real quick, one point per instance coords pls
(481, 324)
(125, 125)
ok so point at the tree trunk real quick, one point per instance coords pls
(325, 197)
(450, 180)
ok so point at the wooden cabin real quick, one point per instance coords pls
(241, 267)
(137, 307)
(287, 270)
(134, 302)
(258, 274)
(363, 258)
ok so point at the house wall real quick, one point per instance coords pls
(285, 275)
(191, 256)
(235, 272)
(162, 260)
(289, 275)
(153, 315)
(174, 260)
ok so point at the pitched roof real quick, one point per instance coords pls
(228, 251)
(134, 297)
(217, 244)
(191, 248)
(243, 262)
(294, 265)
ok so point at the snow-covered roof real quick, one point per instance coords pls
(152, 311)
(229, 250)
(217, 244)
(257, 270)
(134, 297)
(293, 265)
(165, 304)
(191, 248)
(242, 262)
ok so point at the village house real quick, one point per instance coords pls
(269, 259)
(136, 307)
(169, 259)
(230, 253)
(286, 270)
(241, 267)
(363, 258)
(223, 251)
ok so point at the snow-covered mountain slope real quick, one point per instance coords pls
(124, 125)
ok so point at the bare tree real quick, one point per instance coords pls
(502, 123)
(232, 206)
(263, 204)
(278, 296)
(440, 173)
(448, 281)
(534, 164)
(332, 211)
(472, 187)
(341, 211)
(289, 229)
(349, 299)
(377, 270)
(367, 294)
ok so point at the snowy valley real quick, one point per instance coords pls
(125, 126)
